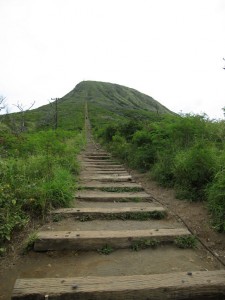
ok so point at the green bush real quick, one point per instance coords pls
(193, 170)
(216, 200)
(37, 175)
(162, 170)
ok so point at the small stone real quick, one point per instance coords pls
(46, 297)
(62, 281)
(49, 265)
(189, 273)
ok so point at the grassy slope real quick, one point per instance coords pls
(106, 101)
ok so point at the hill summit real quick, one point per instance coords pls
(115, 97)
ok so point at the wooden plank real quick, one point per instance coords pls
(106, 168)
(94, 240)
(113, 196)
(99, 153)
(108, 165)
(91, 172)
(104, 178)
(199, 285)
(98, 211)
(97, 157)
(97, 184)
(100, 162)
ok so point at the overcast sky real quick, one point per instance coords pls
(171, 50)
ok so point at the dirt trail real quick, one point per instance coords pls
(74, 244)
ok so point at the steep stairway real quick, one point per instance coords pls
(121, 244)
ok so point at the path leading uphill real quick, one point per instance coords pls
(113, 215)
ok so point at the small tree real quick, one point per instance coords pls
(23, 110)
(2, 103)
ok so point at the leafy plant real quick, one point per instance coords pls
(29, 244)
(216, 200)
(185, 242)
(143, 244)
(106, 250)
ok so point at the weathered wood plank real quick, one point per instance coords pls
(112, 196)
(94, 240)
(105, 168)
(98, 211)
(97, 157)
(91, 172)
(100, 162)
(97, 184)
(197, 286)
(107, 178)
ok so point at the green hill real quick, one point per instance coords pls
(105, 101)
(108, 101)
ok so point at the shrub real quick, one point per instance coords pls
(193, 170)
(162, 171)
(216, 200)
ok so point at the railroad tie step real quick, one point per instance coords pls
(99, 196)
(180, 285)
(97, 157)
(95, 240)
(113, 186)
(107, 178)
(100, 162)
(126, 213)
(105, 168)
(104, 171)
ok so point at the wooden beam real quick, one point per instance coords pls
(182, 285)
(94, 240)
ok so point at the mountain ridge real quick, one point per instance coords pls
(121, 96)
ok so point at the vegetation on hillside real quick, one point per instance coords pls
(38, 164)
(185, 152)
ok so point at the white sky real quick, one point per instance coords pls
(171, 50)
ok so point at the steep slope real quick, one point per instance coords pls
(115, 97)
(105, 101)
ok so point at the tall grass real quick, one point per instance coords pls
(37, 172)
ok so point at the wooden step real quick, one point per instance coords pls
(196, 285)
(113, 196)
(174, 286)
(94, 240)
(125, 213)
(107, 178)
(100, 162)
(104, 166)
(97, 157)
(91, 172)
(113, 185)
(99, 153)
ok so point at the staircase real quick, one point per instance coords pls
(112, 213)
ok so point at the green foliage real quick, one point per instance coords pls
(144, 243)
(216, 200)
(29, 243)
(163, 169)
(184, 152)
(106, 250)
(36, 174)
(185, 242)
(193, 170)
